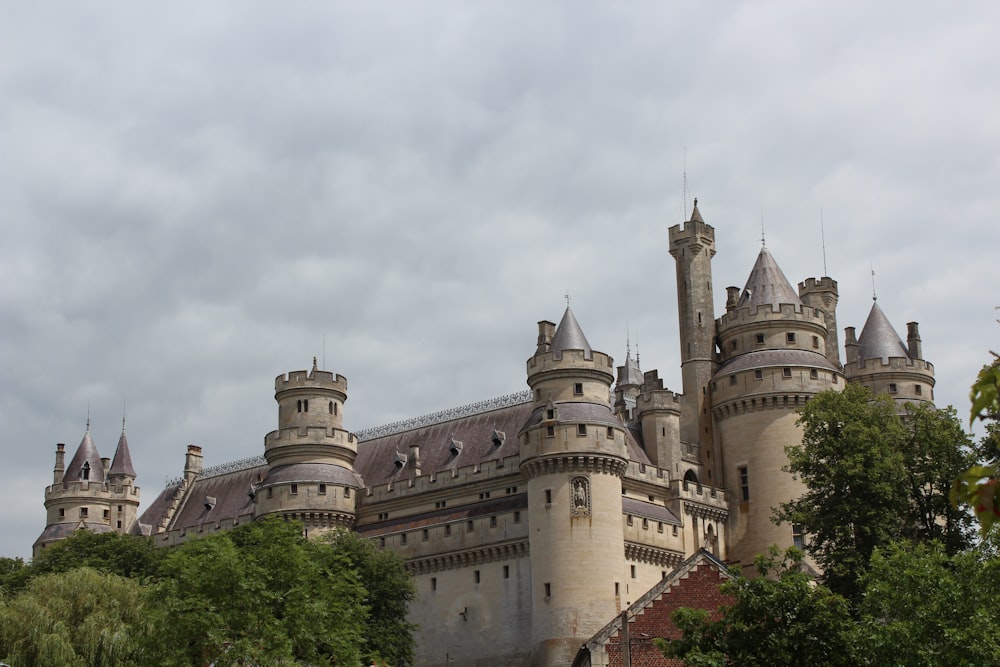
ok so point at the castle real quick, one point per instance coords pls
(532, 521)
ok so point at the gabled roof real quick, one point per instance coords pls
(569, 336)
(86, 458)
(878, 340)
(767, 285)
(121, 464)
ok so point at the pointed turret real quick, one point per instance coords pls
(569, 336)
(881, 361)
(767, 284)
(86, 463)
(121, 464)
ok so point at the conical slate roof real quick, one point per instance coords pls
(767, 285)
(695, 214)
(632, 373)
(878, 340)
(569, 336)
(121, 464)
(86, 458)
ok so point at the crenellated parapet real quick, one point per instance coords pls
(572, 375)
(903, 379)
(787, 327)
(310, 443)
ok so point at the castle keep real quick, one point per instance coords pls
(532, 521)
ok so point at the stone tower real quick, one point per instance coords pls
(879, 360)
(573, 456)
(310, 458)
(692, 247)
(773, 359)
(91, 493)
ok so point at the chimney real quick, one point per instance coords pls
(850, 345)
(414, 460)
(60, 468)
(546, 331)
(913, 340)
(192, 463)
(732, 298)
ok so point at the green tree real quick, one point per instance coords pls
(924, 607)
(259, 594)
(79, 618)
(13, 576)
(390, 590)
(114, 553)
(979, 486)
(935, 450)
(856, 498)
(779, 618)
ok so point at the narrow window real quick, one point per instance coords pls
(797, 538)
(331, 407)
(918, 389)
(548, 496)
(517, 517)
(470, 526)
(732, 345)
(425, 534)
(732, 379)
(892, 387)
(581, 429)
(645, 524)
(477, 576)
(62, 512)
(548, 590)
(789, 337)
(835, 378)
(402, 538)
(744, 483)
(107, 514)
(675, 531)
(493, 522)
(578, 388)
(611, 429)
(270, 492)
(305, 405)
(85, 471)
(758, 374)
(506, 571)
(119, 524)
(120, 507)
(786, 372)
(322, 489)
(434, 583)
(760, 339)
(293, 489)
(629, 520)
(447, 530)
(550, 431)
(632, 570)
(816, 342)
(550, 414)
(347, 492)
(659, 526)
(336, 408)
(617, 589)
(299, 406)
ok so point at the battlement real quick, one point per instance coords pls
(81, 490)
(572, 359)
(692, 231)
(487, 473)
(891, 363)
(785, 312)
(309, 435)
(310, 380)
(659, 399)
(824, 284)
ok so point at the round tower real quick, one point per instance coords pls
(773, 359)
(310, 458)
(692, 247)
(879, 360)
(573, 455)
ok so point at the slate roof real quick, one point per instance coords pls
(632, 374)
(569, 336)
(878, 340)
(60, 531)
(121, 464)
(767, 285)
(86, 453)
(772, 358)
(652, 511)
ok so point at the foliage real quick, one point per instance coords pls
(260, 594)
(79, 618)
(390, 590)
(856, 482)
(114, 553)
(924, 607)
(935, 450)
(779, 618)
(979, 486)
(13, 576)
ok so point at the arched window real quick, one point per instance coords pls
(305, 405)
(300, 406)
(690, 477)
(331, 407)
(85, 471)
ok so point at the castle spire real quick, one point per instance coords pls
(695, 214)
(86, 463)
(121, 464)
(767, 284)
(569, 336)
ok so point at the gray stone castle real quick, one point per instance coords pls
(531, 521)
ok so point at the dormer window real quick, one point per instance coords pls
(400, 460)
(455, 446)
(498, 437)
(85, 471)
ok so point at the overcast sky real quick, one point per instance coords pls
(194, 198)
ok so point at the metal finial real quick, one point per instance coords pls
(123, 415)
(566, 296)
(763, 241)
(822, 236)
(874, 293)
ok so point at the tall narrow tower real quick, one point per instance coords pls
(692, 247)
(573, 455)
(310, 458)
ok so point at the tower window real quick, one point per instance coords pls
(477, 576)
(758, 374)
(798, 539)
(744, 483)
(447, 530)
(305, 405)
(578, 388)
(434, 583)
(816, 341)
(550, 414)
(62, 512)
(347, 492)
(548, 590)
(611, 429)
(629, 520)
(293, 489)
(84, 512)
(470, 526)
(426, 534)
(835, 378)
(581, 429)
(493, 521)
(299, 406)
(732, 345)
(506, 571)
(732, 379)
(760, 339)
(617, 589)
(331, 407)
(550, 431)
(548, 496)
(517, 517)
(322, 489)
(892, 387)
(789, 337)
(813, 373)
(918, 389)
(107, 514)
(85, 471)
(632, 570)
(786, 372)
(402, 538)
